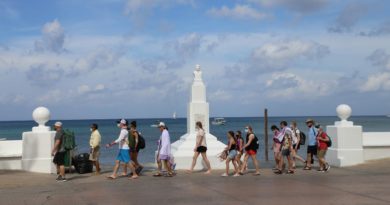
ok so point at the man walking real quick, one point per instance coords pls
(94, 143)
(312, 144)
(59, 152)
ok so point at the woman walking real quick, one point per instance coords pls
(322, 141)
(296, 138)
(200, 148)
(276, 146)
(240, 145)
(231, 149)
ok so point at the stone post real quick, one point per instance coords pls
(38, 144)
(347, 140)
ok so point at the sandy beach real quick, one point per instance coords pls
(364, 184)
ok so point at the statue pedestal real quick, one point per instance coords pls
(183, 151)
(198, 110)
(347, 145)
(37, 147)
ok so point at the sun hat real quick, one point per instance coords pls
(309, 120)
(58, 124)
(162, 124)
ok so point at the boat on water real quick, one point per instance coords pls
(219, 121)
(174, 116)
(156, 124)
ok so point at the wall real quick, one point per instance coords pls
(11, 154)
(376, 145)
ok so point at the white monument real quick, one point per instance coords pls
(198, 110)
(347, 140)
(38, 144)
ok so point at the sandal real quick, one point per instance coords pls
(278, 172)
(169, 175)
(290, 172)
(133, 177)
(307, 168)
(157, 175)
(256, 174)
(111, 177)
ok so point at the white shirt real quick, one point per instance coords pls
(295, 134)
(165, 141)
(122, 139)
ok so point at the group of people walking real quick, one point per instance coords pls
(286, 143)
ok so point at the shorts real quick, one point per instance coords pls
(94, 156)
(123, 156)
(59, 158)
(277, 147)
(251, 152)
(286, 152)
(321, 153)
(232, 154)
(136, 150)
(201, 149)
(295, 145)
(312, 149)
(164, 157)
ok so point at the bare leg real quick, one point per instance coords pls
(194, 158)
(132, 168)
(246, 157)
(308, 161)
(167, 166)
(116, 167)
(62, 171)
(236, 167)
(206, 160)
(238, 159)
(227, 166)
(124, 169)
(256, 163)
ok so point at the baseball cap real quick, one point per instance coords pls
(122, 121)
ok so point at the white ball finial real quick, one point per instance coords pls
(344, 111)
(41, 115)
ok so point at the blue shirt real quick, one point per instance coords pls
(312, 136)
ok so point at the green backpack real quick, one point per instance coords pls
(68, 140)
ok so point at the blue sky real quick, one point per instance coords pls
(134, 58)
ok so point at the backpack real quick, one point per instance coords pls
(302, 137)
(329, 143)
(141, 141)
(256, 145)
(68, 140)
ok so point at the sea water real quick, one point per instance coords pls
(178, 127)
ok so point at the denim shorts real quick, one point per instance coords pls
(232, 154)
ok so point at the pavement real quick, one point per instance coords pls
(364, 184)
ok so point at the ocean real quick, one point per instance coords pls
(12, 130)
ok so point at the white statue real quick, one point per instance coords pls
(197, 73)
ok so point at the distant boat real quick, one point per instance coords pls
(174, 116)
(157, 124)
(219, 121)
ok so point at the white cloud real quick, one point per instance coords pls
(300, 6)
(53, 38)
(286, 85)
(220, 96)
(377, 82)
(188, 46)
(237, 12)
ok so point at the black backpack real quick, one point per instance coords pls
(302, 137)
(256, 143)
(141, 141)
(329, 143)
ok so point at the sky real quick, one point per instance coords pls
(99, 59)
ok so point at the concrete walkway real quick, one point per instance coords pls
(364, 184)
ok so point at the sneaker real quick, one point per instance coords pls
(224, 175)
(327, 167)
(320, 170)
(59, 178)
(64, 179)
(236, 175)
